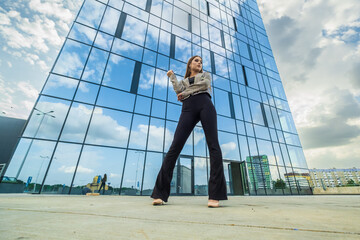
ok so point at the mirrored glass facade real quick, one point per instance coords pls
(108, 107)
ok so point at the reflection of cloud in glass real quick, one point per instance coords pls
(72, 59)
(57, 81)
(110, 21)
(221, 66)
(91, 13)
(71, 169)
(200, 162)
(198, 136)
(227, 147)
(147, 78)
(215, 35)
(161, 79)
(134, 30)
(82, 33)
(114, 175)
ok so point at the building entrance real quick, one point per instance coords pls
(182, 182)
(235, 175)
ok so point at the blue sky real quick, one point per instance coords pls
(315, 45)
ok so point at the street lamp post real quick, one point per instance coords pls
(137, 166)
(39, 171)
(32, 140)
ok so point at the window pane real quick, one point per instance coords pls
(91, 13)
(173, 112)
(261, 132)
(134, 30)
(287, 122)
(229, 146)
(95, 66)
(297, 157)
(156, 135)
(226, 124)
(103, 41)
(87, 92)
(143, 105)
(152, 37)
(72, 59)
(200, 177)
(109, 127)
(243, 147)
(237, 107)
(199, 142)
(119, 73)
(46, 122)
(62, 169)
(164, 44)
(161, 83)
(182, 50)
(133, 173)
(215, 36)
(82, 33)
(222, 102)
(92, 164)
(152, 168)
(265, 150)
(116, 99)
(110, 21)
(60, 86)
(256, 113)
(30, 160)
(146, 81)
(221, 66)
(127, 49)
(180, 18)
(76, 123)
(139, 131)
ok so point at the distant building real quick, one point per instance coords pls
(10, 131)
(334, 177)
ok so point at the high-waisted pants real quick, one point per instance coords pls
(195, 108)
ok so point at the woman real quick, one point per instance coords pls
(103, 182)
(194, 91)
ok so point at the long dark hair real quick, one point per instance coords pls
(188, 70)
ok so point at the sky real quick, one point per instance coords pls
(315, 45)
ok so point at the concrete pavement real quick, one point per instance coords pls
(25, 216)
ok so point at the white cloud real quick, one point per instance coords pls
(52, 8)
(316, 48)
(28, 90)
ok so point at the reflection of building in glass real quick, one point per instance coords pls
(334, 177)
(258, 166)
(108, 106)
(300, 180)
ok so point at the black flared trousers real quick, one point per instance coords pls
(196, 108)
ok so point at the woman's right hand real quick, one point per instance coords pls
(169, 73)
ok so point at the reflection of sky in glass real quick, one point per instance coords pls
(119, 72)
(91, 13)
(63, 165)
(96, 161)
(72, 59)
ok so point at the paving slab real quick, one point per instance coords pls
(24, 216)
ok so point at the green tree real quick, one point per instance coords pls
(280, 184)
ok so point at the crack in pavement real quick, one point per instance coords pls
(187, 222)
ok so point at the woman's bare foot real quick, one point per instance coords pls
(213, 203)
(158, 201)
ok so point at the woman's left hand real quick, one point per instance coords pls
(180, 96)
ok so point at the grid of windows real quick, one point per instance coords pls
(115, 109)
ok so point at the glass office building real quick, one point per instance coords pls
(108, 107)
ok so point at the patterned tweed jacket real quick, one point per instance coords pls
(202, 83)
